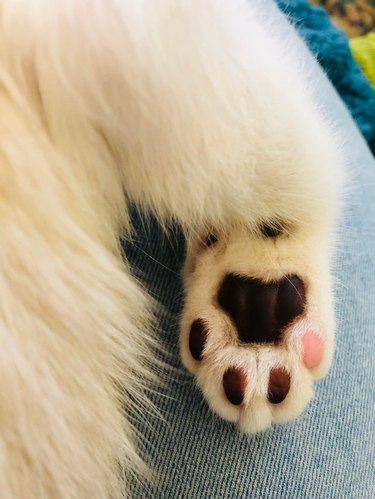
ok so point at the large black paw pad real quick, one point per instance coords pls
(260, 311)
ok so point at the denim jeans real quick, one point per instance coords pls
(329, 452)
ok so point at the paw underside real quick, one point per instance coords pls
(254, 342)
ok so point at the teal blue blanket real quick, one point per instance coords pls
(330, 46)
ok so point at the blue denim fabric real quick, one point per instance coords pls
(329, 452)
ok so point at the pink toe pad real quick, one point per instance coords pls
(312, 350)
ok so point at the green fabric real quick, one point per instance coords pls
(363, 50)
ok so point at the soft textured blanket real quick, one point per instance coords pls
(331, 48)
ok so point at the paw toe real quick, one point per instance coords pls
(312, 350)
(234, 384)
(197, 338)
(279, 385)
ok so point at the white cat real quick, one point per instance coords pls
(197, 111)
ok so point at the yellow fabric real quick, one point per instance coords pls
(363, 50)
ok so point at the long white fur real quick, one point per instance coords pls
(193, 109)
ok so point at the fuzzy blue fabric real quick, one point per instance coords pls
(331, 48)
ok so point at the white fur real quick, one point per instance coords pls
(197, 111)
